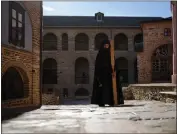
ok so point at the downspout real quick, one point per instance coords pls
(41, 42)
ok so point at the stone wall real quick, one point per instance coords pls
(50, 99)
(66, 59)
(26, 62)
(153, 36)
(147, 91)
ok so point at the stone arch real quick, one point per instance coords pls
(138, 42)
(122, 67)
(121, 42)
(81, 92)
(50, 42)
(161, 62)
(15, 83)
(81, 71)
(49, 71)
(81, 42)
(99, 39)
(64, 41)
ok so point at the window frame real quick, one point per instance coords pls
(18, 10)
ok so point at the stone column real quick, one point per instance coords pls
(130, 43)
(71, 42)
(174, 26)
(59, 45)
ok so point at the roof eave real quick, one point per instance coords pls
(155, 21)
(91, 26)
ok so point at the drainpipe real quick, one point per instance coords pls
(41, 42)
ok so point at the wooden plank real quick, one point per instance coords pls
(114, 77)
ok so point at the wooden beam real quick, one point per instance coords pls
(114, 85)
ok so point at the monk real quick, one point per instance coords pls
(102, 86)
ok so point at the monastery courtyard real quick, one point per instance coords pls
(136, 116)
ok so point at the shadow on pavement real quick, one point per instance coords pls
(9, 113)
(125, 105)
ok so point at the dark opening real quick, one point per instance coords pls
(12, 85)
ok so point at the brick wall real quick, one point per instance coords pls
(50, 99)
(153, 34)
(26, 62)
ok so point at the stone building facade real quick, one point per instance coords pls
(70, 46)
(21, 24)
(155, 61)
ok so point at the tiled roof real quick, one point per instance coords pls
(89, 21)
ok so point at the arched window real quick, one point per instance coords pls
(162, 64)
(99, 39)
(81, 42)
(121, 42)
(82, 71)
(49, 42)
(122, 67)
(65, 42)
(12, 85)
(50, 71)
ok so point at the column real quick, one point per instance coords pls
(174, 26)
(130, 42)
(59, 45)
(71, 42)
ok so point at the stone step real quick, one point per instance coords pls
(169, 97)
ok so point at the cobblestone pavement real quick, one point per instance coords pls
(133, 117)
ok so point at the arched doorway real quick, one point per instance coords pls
(81, 71)
(50, 71)
(121, 42)
(82, 94)
(99, 39)
(122, 67)
(81, 42)
(162, 64)
(12, 85)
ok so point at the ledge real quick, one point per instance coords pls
(154, 85)
(169, 93)
(152, 91)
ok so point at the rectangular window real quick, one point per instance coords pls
(16, 24)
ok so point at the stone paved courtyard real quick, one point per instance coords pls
(133, 117)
